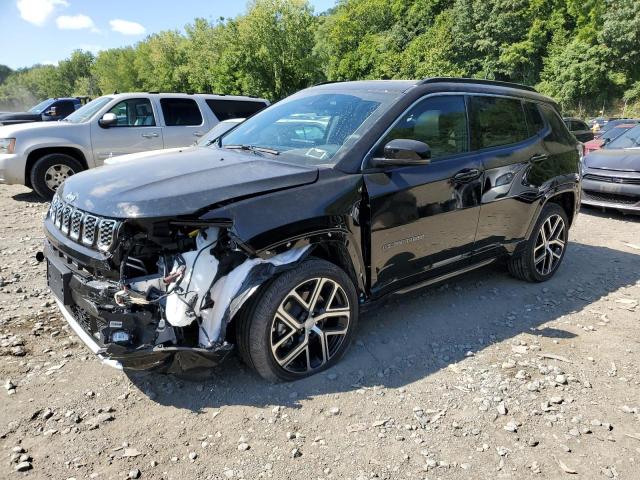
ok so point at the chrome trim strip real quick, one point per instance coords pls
(85, 337)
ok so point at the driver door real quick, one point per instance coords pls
(137, 130)
(424, 218)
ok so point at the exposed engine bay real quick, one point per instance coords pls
(172, 288)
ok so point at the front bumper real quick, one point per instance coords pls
(80, 298)
(609, 189)
(12, 168)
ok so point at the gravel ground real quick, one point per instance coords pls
(484, 377)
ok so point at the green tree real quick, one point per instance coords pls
(115, 70)
(159, 62)
(275, 47)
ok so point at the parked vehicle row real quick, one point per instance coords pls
(273, 236)
(43, 155)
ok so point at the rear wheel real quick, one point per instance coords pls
(50, 171)
(545, 249)
(301, 324)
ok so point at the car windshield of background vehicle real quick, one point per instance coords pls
(87, 111)
(629, 139)
(310, 128)
(39, 108)
(614, 133)
(219, 130)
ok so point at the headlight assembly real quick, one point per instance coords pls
(7, 145)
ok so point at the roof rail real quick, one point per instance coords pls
(496, 83)
(327, 82)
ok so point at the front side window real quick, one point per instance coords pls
(134, 112)
(64, 108)
(496, 121)
(311, 127)
(440, 122)
(180, 112)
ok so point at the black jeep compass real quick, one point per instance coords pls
(275, 235)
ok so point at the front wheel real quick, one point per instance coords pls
(50, 171)
(301, 323)
(545, 249)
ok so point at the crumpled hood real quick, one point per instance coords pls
(626, 159)
(179, 183)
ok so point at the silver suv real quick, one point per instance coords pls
(43, 155)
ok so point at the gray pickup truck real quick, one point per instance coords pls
(42, 155)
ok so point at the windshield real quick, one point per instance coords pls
(39, 108)
(615, 132)
(87, 111)
(219, 130)
(312, 126)
(629, 139)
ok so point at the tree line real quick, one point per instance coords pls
(583, 53)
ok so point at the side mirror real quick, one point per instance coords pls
(404, 152)
(108, 120)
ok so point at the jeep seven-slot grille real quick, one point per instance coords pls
(90, 230)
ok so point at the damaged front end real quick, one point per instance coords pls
(152, 293)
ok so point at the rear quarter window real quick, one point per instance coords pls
(226, 109)
(496, 121)
(559, 132)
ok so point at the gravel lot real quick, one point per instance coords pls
(481, 378)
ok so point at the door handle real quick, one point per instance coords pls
(539, 157)
(150, 135)
(198, 134)
(467, 175)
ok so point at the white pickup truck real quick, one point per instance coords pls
(42, 155)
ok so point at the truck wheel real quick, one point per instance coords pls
(544, 250)
(300, 323)
(50, 171)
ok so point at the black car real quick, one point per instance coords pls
(611, 176)
(579, 129)
(48, 110)
(278, 234)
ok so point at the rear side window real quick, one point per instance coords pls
(134, 112)
(496, 121)
(226, 109)
(180, 112)
(440, 122)
(535, 122)
(559, 132)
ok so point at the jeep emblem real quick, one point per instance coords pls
(70, 197)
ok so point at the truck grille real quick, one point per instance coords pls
(90, 230)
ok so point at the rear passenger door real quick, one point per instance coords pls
(512, 138)
(184, 123)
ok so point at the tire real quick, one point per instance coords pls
(524, 265)
(61, 165)
(262, 327)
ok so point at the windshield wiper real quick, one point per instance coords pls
(253, 148)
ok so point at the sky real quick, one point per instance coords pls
(47, 31)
